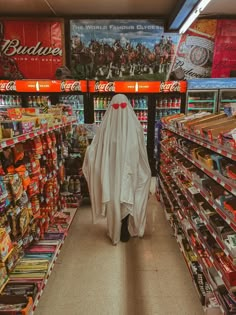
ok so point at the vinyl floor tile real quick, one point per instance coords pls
(145, 276)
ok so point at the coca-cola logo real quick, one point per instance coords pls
(13, 47)
(8, 86)
(70, 86)
(105, 87)
(173, 86)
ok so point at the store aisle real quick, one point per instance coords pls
(142, 277)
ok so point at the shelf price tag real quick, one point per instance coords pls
(193, 190)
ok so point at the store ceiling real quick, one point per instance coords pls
(108, 8)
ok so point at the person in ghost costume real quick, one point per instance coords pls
(117, 171)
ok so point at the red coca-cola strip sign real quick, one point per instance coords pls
(46, 86)
(138, 87)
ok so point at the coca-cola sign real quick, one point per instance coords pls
(70, 86)
(170, 86)
(104, 86)
(7, 86)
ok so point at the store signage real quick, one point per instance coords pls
(7, 86)
(195, 50)
(170, 86)
(103, 86)
(138, 86)
(121, 49)
(30, 48)
(38, 86)
(13, 47)
(73, 86)
(43, 86)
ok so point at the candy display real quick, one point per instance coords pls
(31, 207)
(197, 186)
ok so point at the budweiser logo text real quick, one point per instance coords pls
(105, 87)
(14, 47)
(70, 86)
(7, 86)
(170, 86)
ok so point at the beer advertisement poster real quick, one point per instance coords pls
(120, 49)
(225, 49)
(31, 49)
(195, 50)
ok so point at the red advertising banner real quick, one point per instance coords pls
(30, 49)
(195, 50)
(138, 87)
(224, 59)
(38, 86)
(43, 86)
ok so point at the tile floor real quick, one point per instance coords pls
(142, 277)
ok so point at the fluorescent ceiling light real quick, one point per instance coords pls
(182, 13)
(192, 17)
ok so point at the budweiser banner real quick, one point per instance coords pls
(30, 49)
(195, 50)
(120, 49)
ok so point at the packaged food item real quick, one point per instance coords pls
(5, 244)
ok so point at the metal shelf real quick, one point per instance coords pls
(216, 148)
(21, 138)
(220, 179)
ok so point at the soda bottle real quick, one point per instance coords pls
(145, 115)
(179, 101)
(95, 102)
(169, 102)
(133, 102)
(165, 102)
(101, 103)
(105, 102)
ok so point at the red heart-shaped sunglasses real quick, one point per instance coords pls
(121, 105)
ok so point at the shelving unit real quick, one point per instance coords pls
(181, 181)
(50, 212)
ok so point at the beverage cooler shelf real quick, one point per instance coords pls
(159, 108)
(200, 108)
(201, 101)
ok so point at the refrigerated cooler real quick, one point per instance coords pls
(211, 95)
(140, 95)
(71, 95)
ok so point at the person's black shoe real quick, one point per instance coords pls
(124, 233)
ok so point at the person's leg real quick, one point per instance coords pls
(124, 234)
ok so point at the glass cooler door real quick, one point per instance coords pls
(199, 100)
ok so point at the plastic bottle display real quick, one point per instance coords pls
(168, 102)
(10, 101)
(38, 101)
(77, 104)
